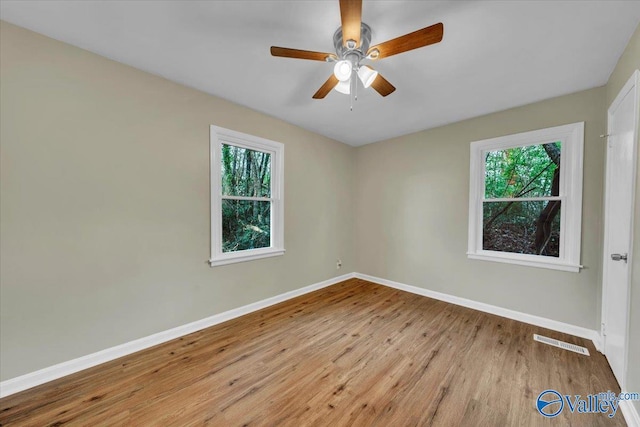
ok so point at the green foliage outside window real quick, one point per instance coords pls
(519, 172)
(246, 224)
(519, 225)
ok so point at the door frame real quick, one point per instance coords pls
(634, 81)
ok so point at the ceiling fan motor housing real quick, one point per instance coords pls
(356, 54)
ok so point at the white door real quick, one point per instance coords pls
(619, 192)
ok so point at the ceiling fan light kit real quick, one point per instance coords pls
(342, 70)
(367, 75)
(344, 87)
(350, 55)
(352, 44)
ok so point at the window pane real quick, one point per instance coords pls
(527, 171)
(522, 227)
(245, 172)
(246, 224)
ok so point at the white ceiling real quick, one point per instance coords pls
(495, 54)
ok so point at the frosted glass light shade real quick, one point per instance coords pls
(367, 75)
(342, 70)
(344, 87)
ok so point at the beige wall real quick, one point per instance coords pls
(412, 204)
(105, 205)
(628, 63)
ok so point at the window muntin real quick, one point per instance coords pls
(246, 197)
(525, 200)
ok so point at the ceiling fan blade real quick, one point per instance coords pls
(382, 86)
(326, 87)
(351, 14)
(301, 54)
(420, 38)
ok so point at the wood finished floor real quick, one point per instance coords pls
(355, 353)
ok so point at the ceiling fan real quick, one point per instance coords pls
(351, 42)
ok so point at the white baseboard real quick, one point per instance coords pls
(23, 382)
(630, 413)
(543, 322)
(597, 341)
(51, 373)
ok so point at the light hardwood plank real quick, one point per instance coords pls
(355, 353)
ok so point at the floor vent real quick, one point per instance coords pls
(561, 344)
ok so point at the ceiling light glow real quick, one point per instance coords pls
(342, 70)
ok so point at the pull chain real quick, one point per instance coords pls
(355, 80)
(351, 99)
(353, 90)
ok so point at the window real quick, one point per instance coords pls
(525, 198)
(247, 215)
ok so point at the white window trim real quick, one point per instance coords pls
(219, 136)
(570, 194)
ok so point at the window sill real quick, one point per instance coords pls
(242, 256)
(527, 260)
